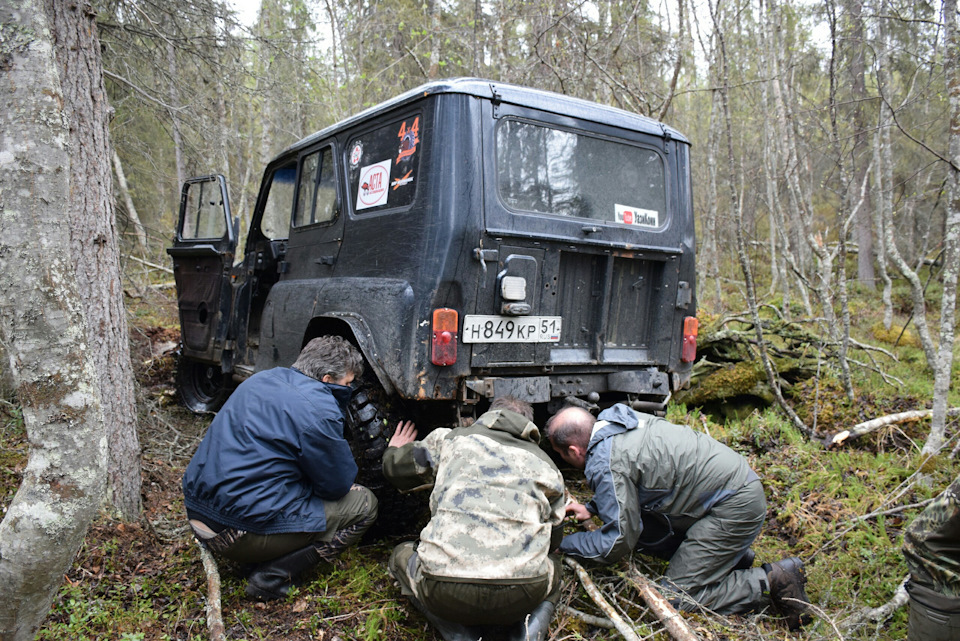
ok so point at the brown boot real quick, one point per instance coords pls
(786, 580)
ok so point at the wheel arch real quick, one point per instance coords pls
(353, 328)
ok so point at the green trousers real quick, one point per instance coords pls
(358, 507)
(468, 603)
(701, 570)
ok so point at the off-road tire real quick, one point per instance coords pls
(202, 387)
(369, 426)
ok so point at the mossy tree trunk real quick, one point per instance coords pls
(42, 324)
(94, 240)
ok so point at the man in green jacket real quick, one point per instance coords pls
(666, 490)
(496, 508)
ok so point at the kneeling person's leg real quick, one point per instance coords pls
(347, 520)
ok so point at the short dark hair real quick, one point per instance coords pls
(570, 426)
(331, 355)
(522, 408)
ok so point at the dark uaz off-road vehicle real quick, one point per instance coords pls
(472, 239)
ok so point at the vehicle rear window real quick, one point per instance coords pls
(554, 171)
(383, 166)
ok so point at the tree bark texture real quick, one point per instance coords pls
(95, 246)
(951, 240)
(42, 326)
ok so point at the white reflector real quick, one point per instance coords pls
(513, 288)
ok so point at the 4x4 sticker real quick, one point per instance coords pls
(409, 139)
(400, 182)
(637, 216)
(373, 190)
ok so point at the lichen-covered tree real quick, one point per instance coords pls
(94, 240)
(951, 240)
(42, 326)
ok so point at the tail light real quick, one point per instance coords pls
(445, 323)
(690, 327)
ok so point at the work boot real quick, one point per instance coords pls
(449, 630)
(273, 579)
(786, 580)
(535, 625)
(746, 561)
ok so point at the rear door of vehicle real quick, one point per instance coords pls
(585, 215)
(202, 253)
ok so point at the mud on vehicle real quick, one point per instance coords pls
(472, 239)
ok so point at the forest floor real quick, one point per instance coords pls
(145, 581)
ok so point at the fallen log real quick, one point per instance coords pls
(875, 424)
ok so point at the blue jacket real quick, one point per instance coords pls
(272, 455)
(651, 480)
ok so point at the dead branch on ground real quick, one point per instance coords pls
(214, 614)
(621, 626)
(874, 424)
(878, 614)
(670, 618)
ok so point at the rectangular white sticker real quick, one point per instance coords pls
(374, 185)
(637, 216)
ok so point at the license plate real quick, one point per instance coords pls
(511, 329)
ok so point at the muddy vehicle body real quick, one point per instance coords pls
(472, 239)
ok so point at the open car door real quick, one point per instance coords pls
(203, 251)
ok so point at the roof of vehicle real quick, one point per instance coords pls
(512, 94)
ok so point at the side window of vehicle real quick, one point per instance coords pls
(317, 194)
(203, 216)
(275, 222)
(383, 166)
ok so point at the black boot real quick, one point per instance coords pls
(273, 579)
(449, 630)
(786, 580)
(746, 561)
(535, 625)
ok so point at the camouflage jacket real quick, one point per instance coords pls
(931, 544)
(497, 504)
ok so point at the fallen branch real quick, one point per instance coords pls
(214, 614)
(668, 616)
(618, 623)
(882, 613)
(872, 425)
(589, 619)
(893, 510)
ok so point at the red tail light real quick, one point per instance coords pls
(690, 327)
(445, 323)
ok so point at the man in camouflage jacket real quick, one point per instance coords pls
(496, 508)
(931, 546)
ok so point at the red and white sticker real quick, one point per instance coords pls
(637, 216)
(374, 185)
(356, 153)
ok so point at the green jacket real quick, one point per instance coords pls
(651, 480)
(497, 503)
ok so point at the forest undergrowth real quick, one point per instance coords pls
(842, 510)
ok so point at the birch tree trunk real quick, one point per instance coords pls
(132, 214)
(94, 241)
(42, 326)
(951, 241)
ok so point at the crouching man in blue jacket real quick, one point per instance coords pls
(671, 492)
(272, 481)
